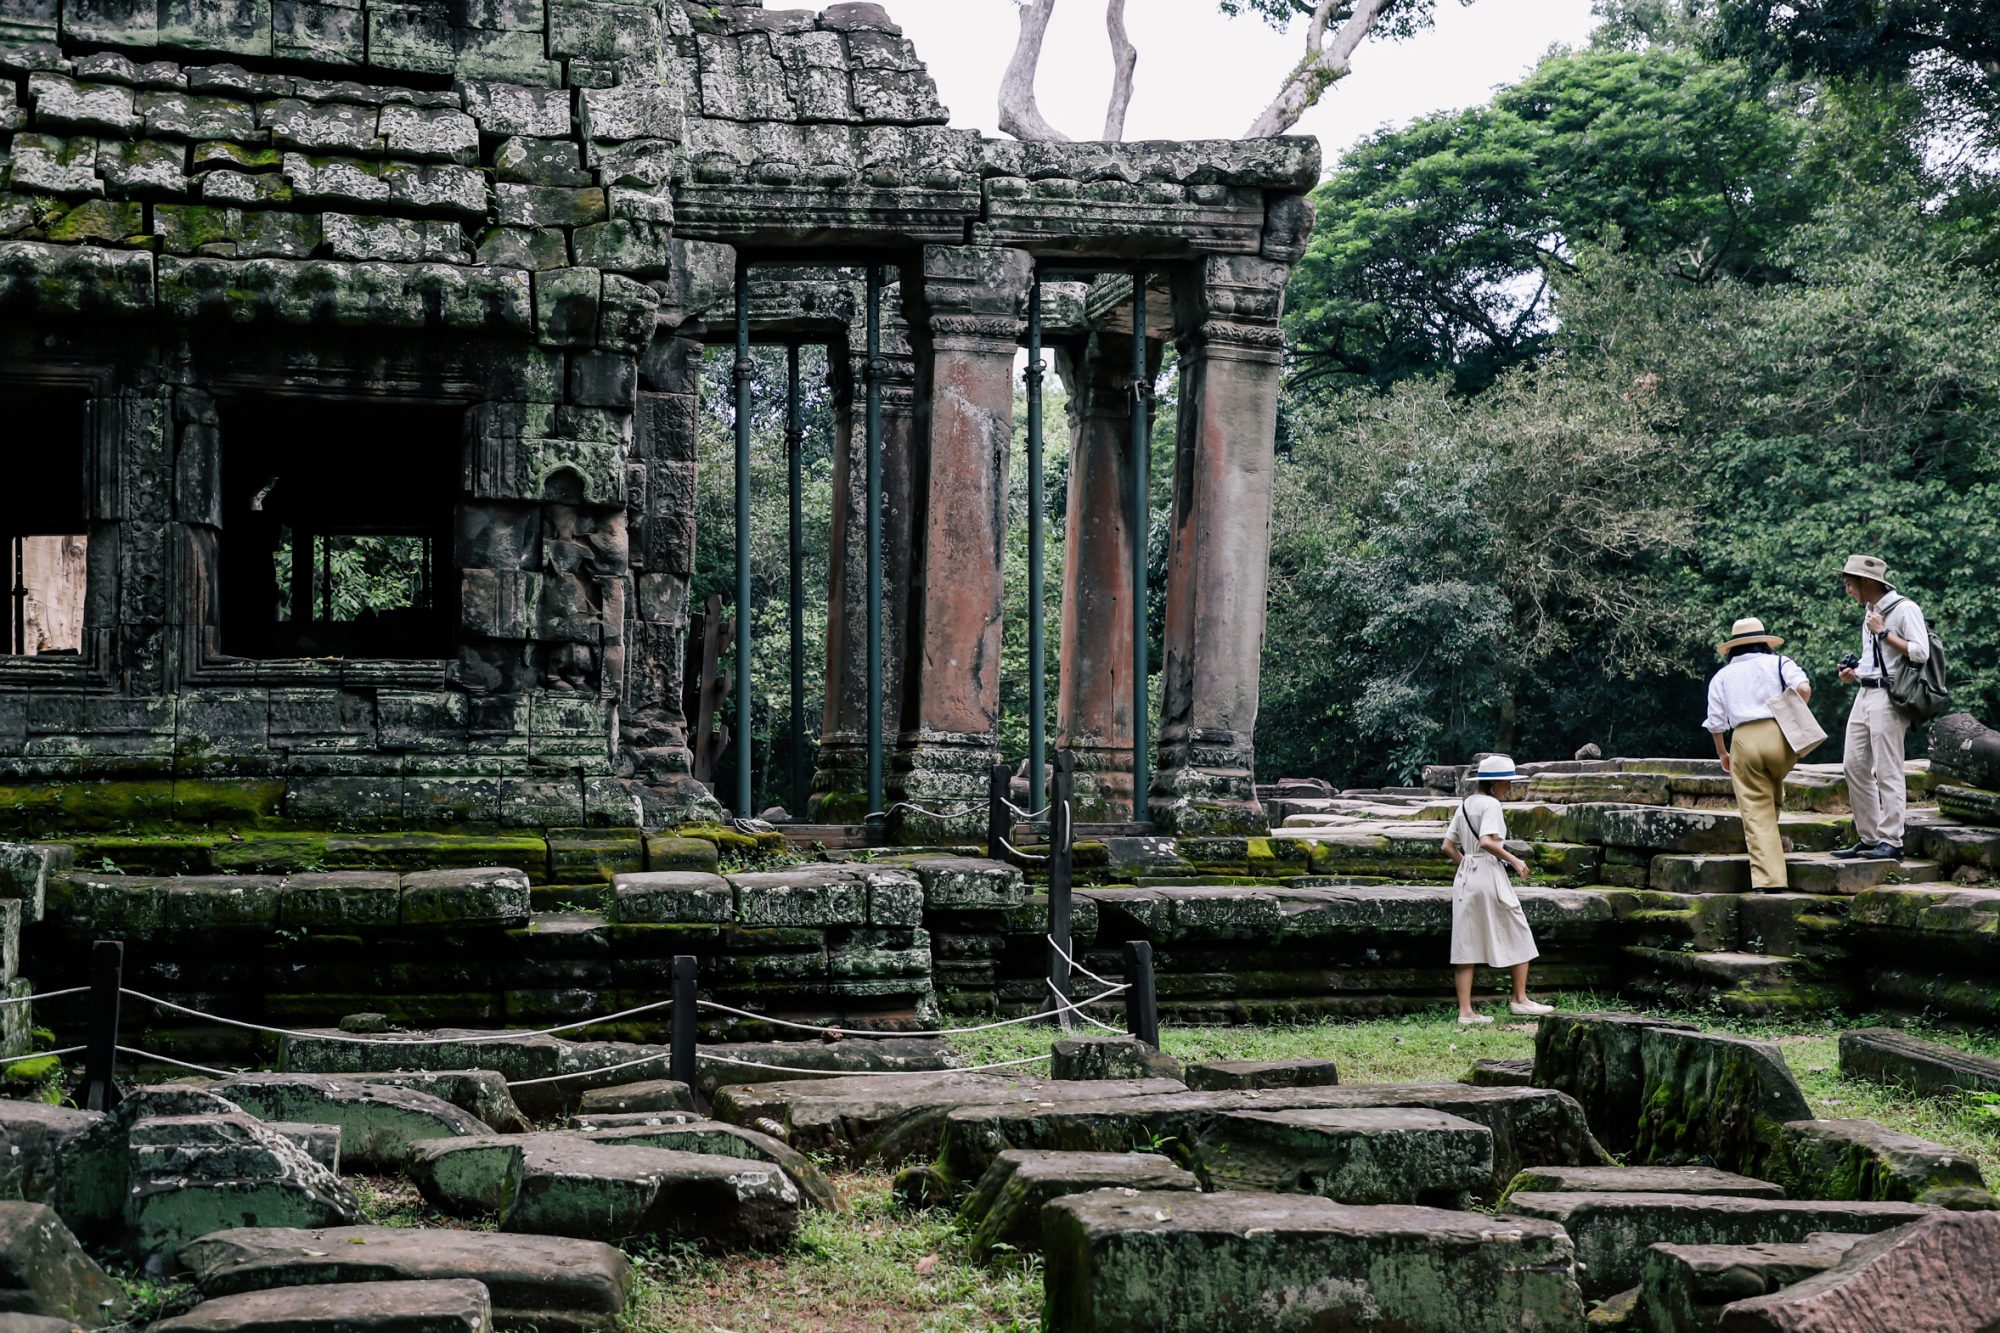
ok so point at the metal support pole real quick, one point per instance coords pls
(1037, 648)
(100, 1060)
(681, 1066)
(1062, 839)
(1142, 1007)
(873, 371)
(744, 369)
(795, 438)
(1141, 520)
(999, 819)
(18, 645)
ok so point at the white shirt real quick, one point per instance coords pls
(1483, 816)
(1738, 693)
(1905, 620)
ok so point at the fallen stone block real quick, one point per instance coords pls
(31, 1135)
(319, 1142)
(1884, 1055)
(602, 1188)
(480, 1093)
(1683, 1288)
(454, 1305)
(378, 1122)
(1233, 1075)
(1530, 1126)
(1172, 1262)
(1082, 1059)
(717, 1139)
(1936, 1276)
(1595, 1059)
(547, 1283)
(632, 1120)
(36, 1323)
(1719, 1100)
(1859, 1159)
(43, 1271)
(1641, 1180)
(1005, 1210)
(1503, 1074)
(1611, 1231)
(1362, 1155)
(659, 1094)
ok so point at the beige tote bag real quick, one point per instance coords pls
(1795, 718)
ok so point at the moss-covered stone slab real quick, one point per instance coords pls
(458, 1305)
(1195, 1263)
(379, 1122)
(43, 1271)
(480, 1093)
(1235, 1075)
(1859, 1159)
(1642, 1180)
(482, 896)
(1502, 1073)
(580, 856)
(966, 883)
(1689, 1286)
(716, 1139)
(340, 900)
(1358, 1155)
(143, 907)
(673, 897)
(1110, 1057)
(319, 1142)
(411, 852)
(667, 852)
(811, 896)
(1713, 1099)
(1004, 1210)
(562, 1184)
(1530, 1126)
(547, 1283)
(1884, 1055)
(654, 1094)
(31, 1136)
(24, 875)
(1595, 1059)
(1611, 1231)
(1935, 1274)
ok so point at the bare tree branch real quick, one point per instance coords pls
(1124, 59)
(1019, 116)
(1325, 61)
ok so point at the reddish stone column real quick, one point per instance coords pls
(840, 780)
(1232, 355)
(967, 323)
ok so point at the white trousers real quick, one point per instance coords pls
(1877, 788)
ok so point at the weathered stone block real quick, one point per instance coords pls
(549, 205)
(1005, 1210)
(666, 852)
(1642, 1180)
(44, 165)
(1363, 1155)
(24, 875)
(815, 896)
(1688, 1286)
(510, 109)
(43, 1271)
(566, 302)
(1859, 1159)
(652, 1095)
(1233, 1075)
(673, 897)
(340, 900)
(546, 162)
(1720, 1100)
(332, 33)
(1595, 1059)
(62, 103)
(460, 1306)
(1109, 1057)
(494, 895)
(636, 111)
(1936, 1273)
(441, 135)
(1880, 1055)
(379, 1123)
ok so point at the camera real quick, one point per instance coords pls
(1851, 662)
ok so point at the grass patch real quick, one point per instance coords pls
(391, 1201)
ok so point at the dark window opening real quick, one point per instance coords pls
(44, 547)
(337, 529)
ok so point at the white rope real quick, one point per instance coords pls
(864, 1032)
(1079, 967)
(39, 1055)
(934, 814)
(1066, 1006)
(1012, 850)
(873, 1073)
(46, 995)
(357, 1039)
(1027, 814)
(138, 1054)
(588, 1073)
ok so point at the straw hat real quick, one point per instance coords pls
(1495, 768)
(1745, 631)
(1868, 567)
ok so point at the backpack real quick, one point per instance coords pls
(1917, 690)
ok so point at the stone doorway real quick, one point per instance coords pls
(44, 548)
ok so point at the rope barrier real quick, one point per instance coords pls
(1027, 814)
(587, 1073)
(357, 1039)
(38, 1055)
(45, 995)
(934, 814)
(1067, 1006)
(1079, 967)
(1012, 850)
(874, 1073)
(926, 1032)
(138, 1054)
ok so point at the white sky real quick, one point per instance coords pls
(1203, 76)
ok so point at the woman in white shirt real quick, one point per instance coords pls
(1756, 758)
(1488, 927)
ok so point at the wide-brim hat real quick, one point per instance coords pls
(1747, 631)
(1867, 567)
(1495, 768)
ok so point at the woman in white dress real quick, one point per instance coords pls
(1488, 928)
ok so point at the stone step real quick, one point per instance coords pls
(1005, 1209)
(1237, 1075)
(1955, 846)
(1195, 1263)
(1884, 1055)
(454, 1305)
(1859, 1159)
(550, 1284)
(1370, 1155)
(1815, 872)
(1641, 1180)
(1747, 985)
(1611, 1231)
(1688, 1286)
(379, 1123)
(145, 907)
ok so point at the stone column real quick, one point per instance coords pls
(1227, 312)
(967, 322)
(840, 782)
(1094, 693)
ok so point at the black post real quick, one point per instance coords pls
(1142, 1007)
(745, 369)
(681, 1064)
(1062, 834)
(1141, 519)
(1037, 650)
(100, 1060)
(999, 819)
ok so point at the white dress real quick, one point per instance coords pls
(1487, 924)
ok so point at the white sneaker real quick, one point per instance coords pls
(1529, 1007)
(1470, 1020)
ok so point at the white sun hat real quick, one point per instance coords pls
(1496, 768)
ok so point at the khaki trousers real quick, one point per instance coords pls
(1759, 758)
(1877, 789)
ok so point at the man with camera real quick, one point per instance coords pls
(1892, 632)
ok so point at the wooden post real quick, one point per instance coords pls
(1142, 1007)
(999, 819)
(100, 1061)
(1062, 837)
(681, 1064)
